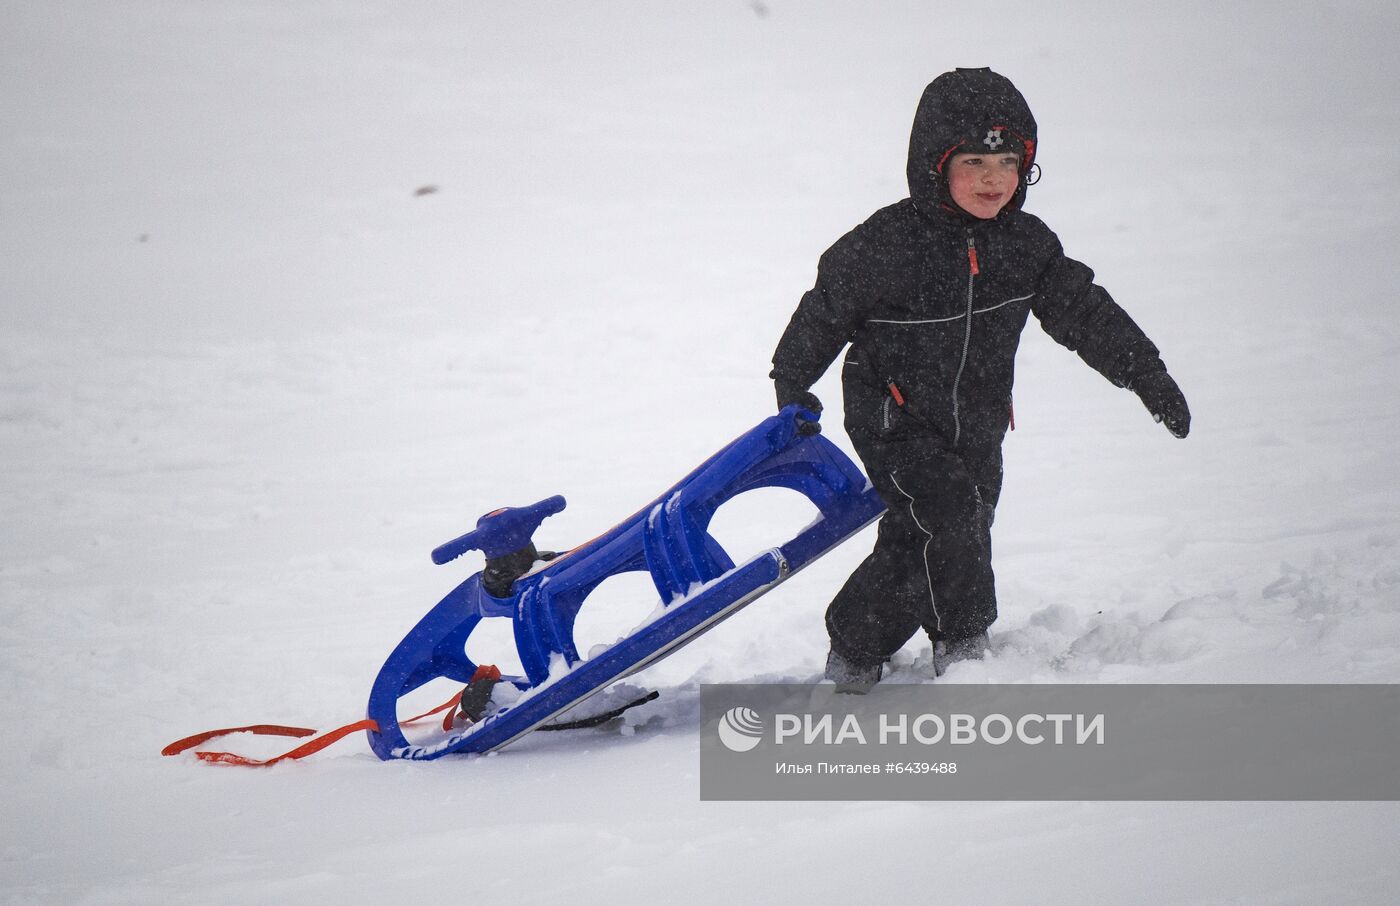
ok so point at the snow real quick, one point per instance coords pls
(250, 377)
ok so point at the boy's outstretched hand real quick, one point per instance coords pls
(788, 395)
(1164, 399)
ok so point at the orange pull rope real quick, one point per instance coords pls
(301, 751)
(315, 745)
(189, 742)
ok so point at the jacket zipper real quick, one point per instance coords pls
(972, 271)
(894, 396)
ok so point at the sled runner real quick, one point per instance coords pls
(542, 594)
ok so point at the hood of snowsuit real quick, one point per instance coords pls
(963, 112)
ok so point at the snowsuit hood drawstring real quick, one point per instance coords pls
(967, 111)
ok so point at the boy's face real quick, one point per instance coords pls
(982, 184)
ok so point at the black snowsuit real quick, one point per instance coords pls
(932, 302)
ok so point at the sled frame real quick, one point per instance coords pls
(669, 539)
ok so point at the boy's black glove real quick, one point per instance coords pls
(1164, 399)
(791, 394)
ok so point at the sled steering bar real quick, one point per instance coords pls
(501, 532)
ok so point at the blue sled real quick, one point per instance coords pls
(668, 538)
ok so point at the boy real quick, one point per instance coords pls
(932, 293)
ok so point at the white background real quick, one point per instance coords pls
(249, 378)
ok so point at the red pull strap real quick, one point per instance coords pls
(301, 751)
(315, 745)
(189, 742)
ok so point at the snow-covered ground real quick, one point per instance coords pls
(252, 370)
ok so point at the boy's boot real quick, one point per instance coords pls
(850, 678)
(946, 653)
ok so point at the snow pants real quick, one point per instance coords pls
(932, 562)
